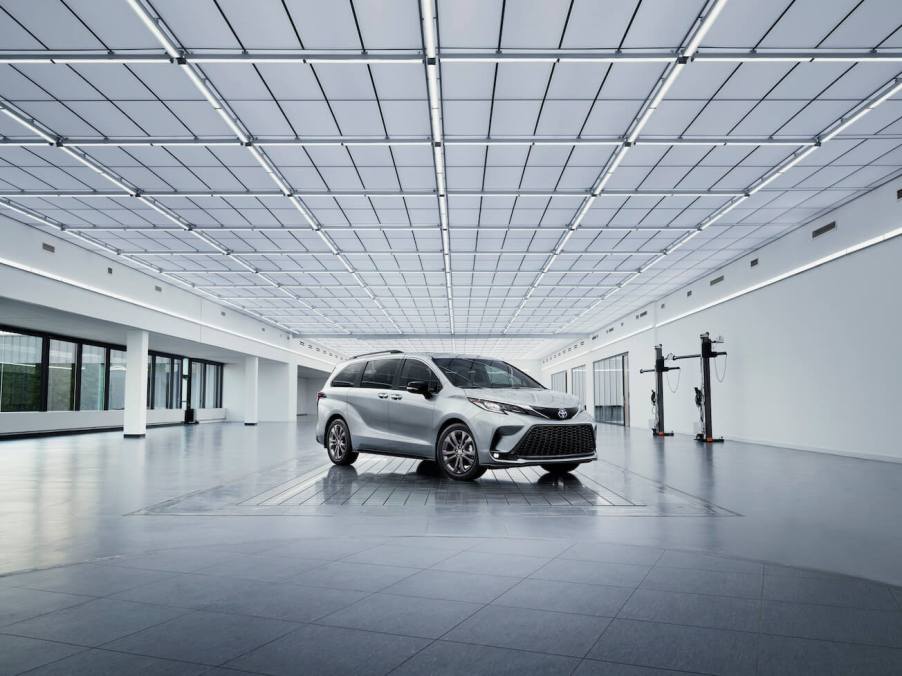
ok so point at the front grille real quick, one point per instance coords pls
(554, 413)
(544, 441)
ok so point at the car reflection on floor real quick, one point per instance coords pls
(412, 482)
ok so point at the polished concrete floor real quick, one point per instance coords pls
(222, 549)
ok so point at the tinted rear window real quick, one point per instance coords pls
(349, 376)
(380, 373)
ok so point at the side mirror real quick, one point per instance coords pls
(418, 387)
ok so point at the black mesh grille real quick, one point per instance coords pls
(554, 413)
(543, 441)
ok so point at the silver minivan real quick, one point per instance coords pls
(469, 414)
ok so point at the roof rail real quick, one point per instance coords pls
(371, 354)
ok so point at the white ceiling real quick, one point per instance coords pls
(359, 252)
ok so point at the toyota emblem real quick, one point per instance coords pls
(562, 413)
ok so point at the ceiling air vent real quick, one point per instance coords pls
(109, 271)
(158, 289)
(899, 194)
(823, 230)
(48, 247)
(753, 262)
(716, 280)
(643, 313)
(610, 330)
(688, 293)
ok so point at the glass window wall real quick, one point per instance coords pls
(20, 372)
(559, 381)
(611, 390)
(61, 364)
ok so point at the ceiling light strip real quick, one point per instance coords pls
(303, 56)
(222, 251)
(396, 228)
(295, 197)
(433, 87)
(342, 141)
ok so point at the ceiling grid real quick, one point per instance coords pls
(483, 176)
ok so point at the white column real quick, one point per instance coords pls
(251, 389)
(135, 416)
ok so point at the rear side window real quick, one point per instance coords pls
(349, 376)
(380, 373)
(417, 370)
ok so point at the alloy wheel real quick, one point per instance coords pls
(458, 452)
(338, 441)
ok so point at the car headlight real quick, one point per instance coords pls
(497, 406)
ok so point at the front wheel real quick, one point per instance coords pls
(338, 443)
(560, 467)
(456, 454)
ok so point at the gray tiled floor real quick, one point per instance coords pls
(462, 592)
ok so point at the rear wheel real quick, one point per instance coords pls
(560, 467)
(338, 443)
(456, 454)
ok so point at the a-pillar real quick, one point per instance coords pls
(135, 415)
(251, 390)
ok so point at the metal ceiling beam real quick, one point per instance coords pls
(385, 252)
(351, 141)
(413, 286)
(402, 271)
(365, 193)
(306, 56)
(393, 228)
(461, 336)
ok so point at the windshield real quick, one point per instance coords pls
(472, 373)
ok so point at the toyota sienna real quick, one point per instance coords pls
(469, 414)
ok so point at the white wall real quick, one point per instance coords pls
(813, 360)
(278, 391)
(52, 421)
(308, 386)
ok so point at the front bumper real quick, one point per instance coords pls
(505, 440)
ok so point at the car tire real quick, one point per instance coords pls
(456, 453)
(338, 443)
(560, 467)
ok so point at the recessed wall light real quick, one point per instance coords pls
(823, 230)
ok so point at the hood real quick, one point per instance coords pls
(548, 398)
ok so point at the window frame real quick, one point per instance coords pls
(172, 392)
(361, 364)
(394, 377)
(202, 395)
(46, 337)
